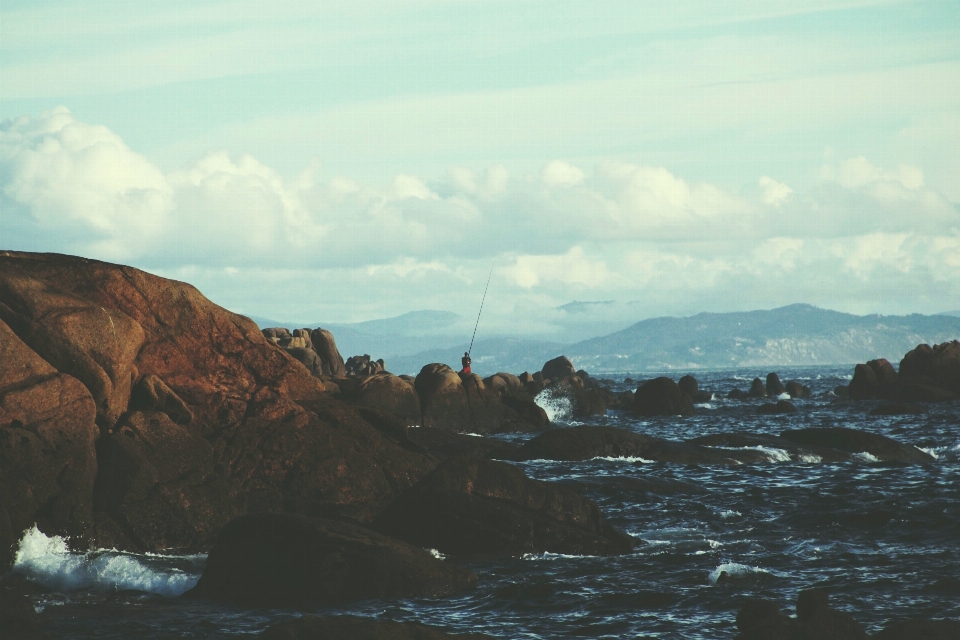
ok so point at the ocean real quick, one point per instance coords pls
(883, 539)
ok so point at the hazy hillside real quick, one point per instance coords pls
(794, 335)
(798, 334)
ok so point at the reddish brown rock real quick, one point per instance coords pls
(386, 392)
(463, 403)
(166, 373)
(47, 457)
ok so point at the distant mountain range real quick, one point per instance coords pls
(798, 334)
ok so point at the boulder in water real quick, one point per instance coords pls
(773, 386)
(661, 397)
(757, 389)
(285, 560)
(781, 407)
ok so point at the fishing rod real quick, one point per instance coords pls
(470, 350)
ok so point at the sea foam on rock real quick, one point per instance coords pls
(854, 441)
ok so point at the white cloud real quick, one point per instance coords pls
(571, 268)
(74, 176)
(618, 231)
(774, 192)
(562, 174)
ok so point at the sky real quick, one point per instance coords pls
(346, 161)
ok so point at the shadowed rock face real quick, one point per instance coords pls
(937, 366)
(354, 628)
(289, 560)
(471, 507)
(199, 417)
(47, 457)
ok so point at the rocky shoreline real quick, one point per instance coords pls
(135, 414)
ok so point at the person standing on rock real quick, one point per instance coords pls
(465, 361)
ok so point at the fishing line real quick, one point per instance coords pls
(470, 350)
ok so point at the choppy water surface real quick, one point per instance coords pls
(883, 539)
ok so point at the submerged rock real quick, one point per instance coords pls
(588, 441)
(472, 507)
(854, 441)
(285, 560)
(797, 452)
(920, 630)
(781, 407)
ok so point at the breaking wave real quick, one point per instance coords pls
(48, 561)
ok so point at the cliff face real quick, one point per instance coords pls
(136, 413)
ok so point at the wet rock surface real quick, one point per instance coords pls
(854, 441)
(472, 507)
(590, 441)
(286, 560)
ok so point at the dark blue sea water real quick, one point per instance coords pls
(883, 539)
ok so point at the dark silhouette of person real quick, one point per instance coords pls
(465, 361)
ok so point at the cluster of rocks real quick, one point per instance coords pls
(927, 374)
(362, 366)
(316, 349)
(817, 620)
(136, 414)
(772, 388)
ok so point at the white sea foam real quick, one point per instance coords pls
(475, 435)
(704, 405)
(810, 457)
(784, 396)
(625, 459)
(557, 407)
(773, 453)
(47, 560)
(932, 451)
(730, 514)
(546, 555)
(733, 569)
(436, 554)
(866, 456)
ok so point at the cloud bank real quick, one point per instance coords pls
(863, 238)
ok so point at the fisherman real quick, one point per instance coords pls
(465, 361)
